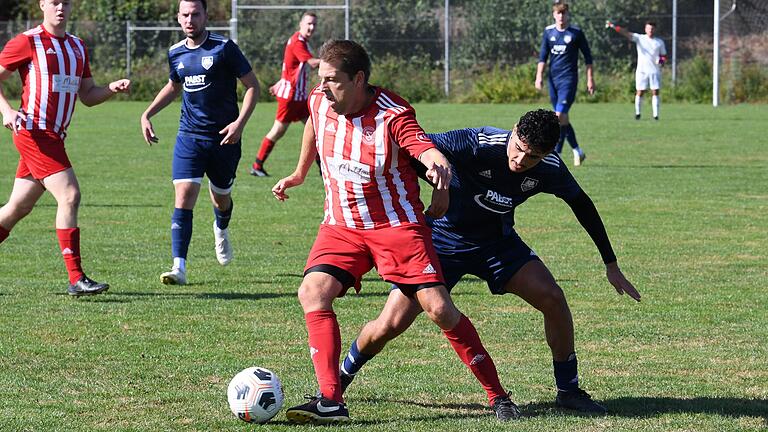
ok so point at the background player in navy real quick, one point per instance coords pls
(206, 67)
(494, 171)
(561, 42)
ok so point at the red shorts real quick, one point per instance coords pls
(41, 153)
(401, 255)
(289, 111)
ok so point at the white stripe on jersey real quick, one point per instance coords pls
(385, 102)
(492, 139)
(355, 155)
(320, 137)
(42, 61)
(341, 183)
(177, 44)
(552, 159)
(62, 97)
(32, 95)
(73, 72)
(386, 196)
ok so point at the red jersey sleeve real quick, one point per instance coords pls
(86, 63)
(408, 133)
(300, 50)
(16, 53)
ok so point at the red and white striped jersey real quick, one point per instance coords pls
(368, 178)
(294, 79)
(51, 69)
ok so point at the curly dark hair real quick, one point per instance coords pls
(540, 129)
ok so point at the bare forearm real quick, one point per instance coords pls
(540, 70)
(249, 103)
(166, 95)
(96, 95)
(433, 157)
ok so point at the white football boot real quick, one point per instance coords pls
(176, 276)
(578, 157)
(223, 245)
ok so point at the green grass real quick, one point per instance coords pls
(684, 201)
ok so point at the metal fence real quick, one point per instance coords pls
(419, 37)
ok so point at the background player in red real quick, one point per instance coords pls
(366, 136)
(292, 89)
(54, 70)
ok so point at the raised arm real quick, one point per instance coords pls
(165, 96)
(306, 158)
(619, 29)
(586, 213)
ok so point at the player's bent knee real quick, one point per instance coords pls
(553, 300)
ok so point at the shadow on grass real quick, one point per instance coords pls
(639, 407)
(653, 406)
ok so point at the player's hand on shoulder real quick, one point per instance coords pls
(120, 86)
(278, 190)
(619, 282)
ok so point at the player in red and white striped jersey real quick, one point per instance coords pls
(53, 67)
(365, 137)
(292, 89)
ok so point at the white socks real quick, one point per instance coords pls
(180, 263)
(655, 102)
(638, 104)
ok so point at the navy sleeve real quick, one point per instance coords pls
(173, 75)
(561, 182)
(584, 47)
(235, 59)
(456, 145)
(586, 213)
(544, 51)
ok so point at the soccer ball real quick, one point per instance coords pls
(255, 395)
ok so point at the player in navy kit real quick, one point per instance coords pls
(561, 43)
(206, 67)
(494, 171)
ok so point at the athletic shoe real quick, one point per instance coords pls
(655, 117)
(176, 276)
(86, 286)
(579, 400)
(223, 245)
(505, 409)
(258, 171)
(637, 116)
(578, 157)
(318, 411)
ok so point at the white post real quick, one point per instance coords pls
(674, 42)
(127, 49)
(716, 55)
(346, 19)
(233, 22)
(447, 72)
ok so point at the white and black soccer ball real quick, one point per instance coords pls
(255, 395)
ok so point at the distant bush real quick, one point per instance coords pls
(416, 79)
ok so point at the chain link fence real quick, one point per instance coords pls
(407, 43)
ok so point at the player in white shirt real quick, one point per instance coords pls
(651, 55)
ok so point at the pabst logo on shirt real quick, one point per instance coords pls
(368, 134)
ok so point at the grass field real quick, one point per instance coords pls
(684, 200)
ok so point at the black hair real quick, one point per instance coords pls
(202, 2)
(540, 129)
(351, 57)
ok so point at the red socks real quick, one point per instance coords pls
(325, 348)
(466, 342)
(4, 233)
(69, 240)
(266, 148)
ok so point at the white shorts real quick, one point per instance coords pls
(643, 80)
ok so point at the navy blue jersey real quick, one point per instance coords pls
(208, 74)
(563, 48)
(484, 192)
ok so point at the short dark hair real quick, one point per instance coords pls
(351, 57)
(651, 23)
(560, 6)
(540, 129)
(202, 2)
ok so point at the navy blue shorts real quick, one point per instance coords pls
(494, 263)
(562, 95)
(195, 156)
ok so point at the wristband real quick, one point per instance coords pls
(617, 28)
